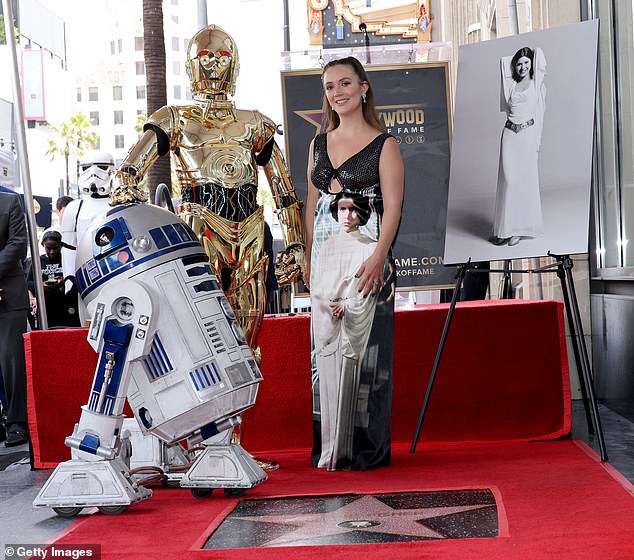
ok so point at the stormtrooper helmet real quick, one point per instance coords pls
(95, 168)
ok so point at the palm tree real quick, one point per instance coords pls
(3, 37)
(141, 118)
(156, 88)
(73, 137)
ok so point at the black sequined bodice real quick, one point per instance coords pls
(358, 172)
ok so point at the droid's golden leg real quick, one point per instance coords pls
(239, 249)
(249, 300)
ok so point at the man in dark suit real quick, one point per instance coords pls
(14, 306)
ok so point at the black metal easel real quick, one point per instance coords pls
(507, 285)
(563, 268)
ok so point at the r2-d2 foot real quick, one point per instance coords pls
(222, 464)
(94, 476)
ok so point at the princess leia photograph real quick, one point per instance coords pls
(521, 159)
(518, 207)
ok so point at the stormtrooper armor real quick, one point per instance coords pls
(168, 339)
(96, 168)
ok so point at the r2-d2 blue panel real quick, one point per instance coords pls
(193, 367)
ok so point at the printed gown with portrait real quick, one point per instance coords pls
(352, 355)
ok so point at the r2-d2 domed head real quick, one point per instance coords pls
(95, 168)
(212, 62)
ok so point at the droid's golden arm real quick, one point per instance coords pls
(126, 179)
(286, 202)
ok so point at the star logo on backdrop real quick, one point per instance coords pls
(366, 513)
(313, 116)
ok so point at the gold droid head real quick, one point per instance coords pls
(212, 62)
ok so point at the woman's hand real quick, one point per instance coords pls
(32, 303)
(371, 275)
(337, 309)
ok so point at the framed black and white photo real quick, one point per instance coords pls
(522, 146)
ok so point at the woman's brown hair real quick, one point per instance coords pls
(331, 118)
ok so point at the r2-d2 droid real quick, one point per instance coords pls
(169, 340)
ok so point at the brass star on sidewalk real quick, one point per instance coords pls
(367, 513)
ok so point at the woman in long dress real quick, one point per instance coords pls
(518, 210)
(355, 174)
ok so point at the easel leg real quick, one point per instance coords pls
(507, 286)
(575, 347)
(577, 336)
(456, 293)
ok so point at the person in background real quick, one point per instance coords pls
(96, 168)
(14, 306)
(7, 184)
(61, 308)
(60, 205)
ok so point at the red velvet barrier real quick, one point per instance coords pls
(503, 377)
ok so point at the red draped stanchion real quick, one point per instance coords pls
(504, 377)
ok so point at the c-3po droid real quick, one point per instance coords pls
(217, 151)
(167, 338)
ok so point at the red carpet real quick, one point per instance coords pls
(555, 500)
(503, 377)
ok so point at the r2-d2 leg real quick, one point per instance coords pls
(98, 473)
(222, 464)
(218, 462)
